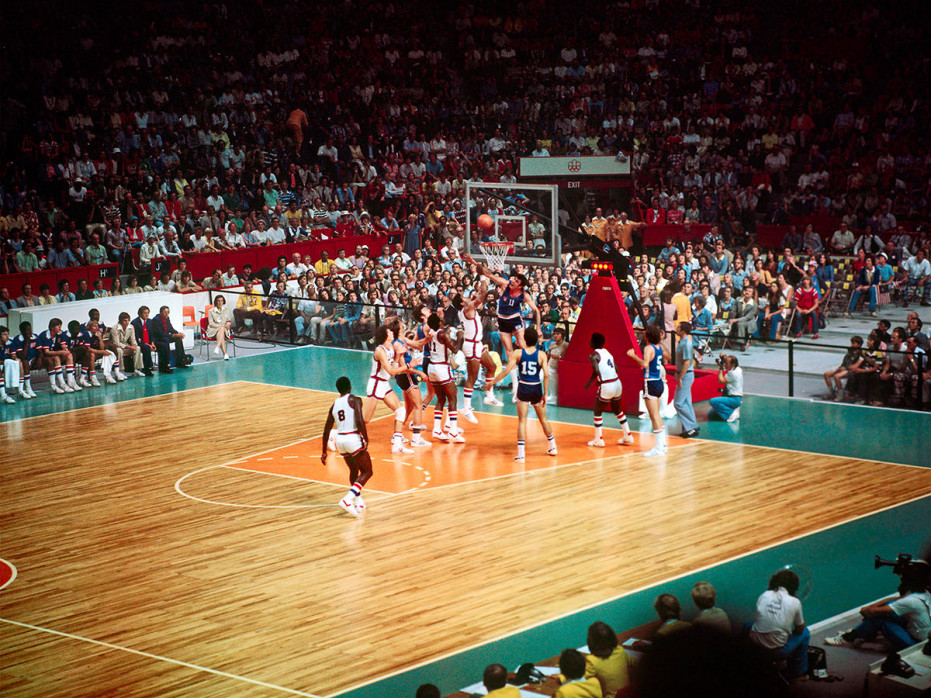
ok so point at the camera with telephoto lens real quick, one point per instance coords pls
(905, 566)
(721, 360)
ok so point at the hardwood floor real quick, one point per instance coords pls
(107, 549)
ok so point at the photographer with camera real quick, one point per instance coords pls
(731, 376)
(904, 619)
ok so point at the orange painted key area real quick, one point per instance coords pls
(488, 453)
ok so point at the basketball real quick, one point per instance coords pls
(485, 222)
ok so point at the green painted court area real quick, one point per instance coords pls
(839, 559)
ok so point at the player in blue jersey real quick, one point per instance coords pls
(56, 358)
(25, 348)
(532, 384)
(653, 376)
(512, 294)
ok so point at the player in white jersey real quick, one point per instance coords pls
(379, 386)
(476, 353)
(604, 369)
(441, 376)
(351, 442)
(409, 382)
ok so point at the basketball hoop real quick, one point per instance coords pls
(495, 254)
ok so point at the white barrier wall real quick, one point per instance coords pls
(110, 309)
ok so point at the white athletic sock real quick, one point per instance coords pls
(660, 436)
(622, 420)
(520, 448)
(467, 395)
(599, 423)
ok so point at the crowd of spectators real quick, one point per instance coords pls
(170, 138)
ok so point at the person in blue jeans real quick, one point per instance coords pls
(778, 624)
(685, 376)
(904, 620)
(867, 282)
(727, 407)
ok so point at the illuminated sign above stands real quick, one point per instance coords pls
(575, 166)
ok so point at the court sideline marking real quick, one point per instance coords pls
(147, 655)
(618, 597)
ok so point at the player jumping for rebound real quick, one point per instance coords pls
(475, 351)
(652, 364)
(379, 386)
(441, 376)
(511, 294)
(351, 442)
(532, 383)
(609, 390)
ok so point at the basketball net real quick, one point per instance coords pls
(495, 254)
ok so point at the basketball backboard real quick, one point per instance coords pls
(524, 214)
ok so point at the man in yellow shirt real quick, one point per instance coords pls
(600, 225)
(683, 304)
(323, 266)
(572, 675)
(249, 306)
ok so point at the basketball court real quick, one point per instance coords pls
(188, 542)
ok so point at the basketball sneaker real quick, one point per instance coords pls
(109, 378)
(30, 392)
(7, 399)
(419, 441)
(598, 443)
(469, 415)
(59, 391)
(442, 436)
(518, 459)
(490, 399)
(400, 448)
(348, 507)
(457, 438)
(626, 440)
(94, 382)
(551, 451)
(735, 415)
(360, 504)
(656, 451)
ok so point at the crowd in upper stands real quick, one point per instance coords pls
(211, 127)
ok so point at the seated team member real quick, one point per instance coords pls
(903, 620)
(164, 335)
(87, 347)
(727, 407)
(709, 615)
(219, 322)
(57, 359)
(249, 306)
(123, 337)
(495, 679)
(668, 609)
(574, 683)
(608, 662)
(9, 368)
(778, 624)
(834, 377)
(145, 338)
(25, 348)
